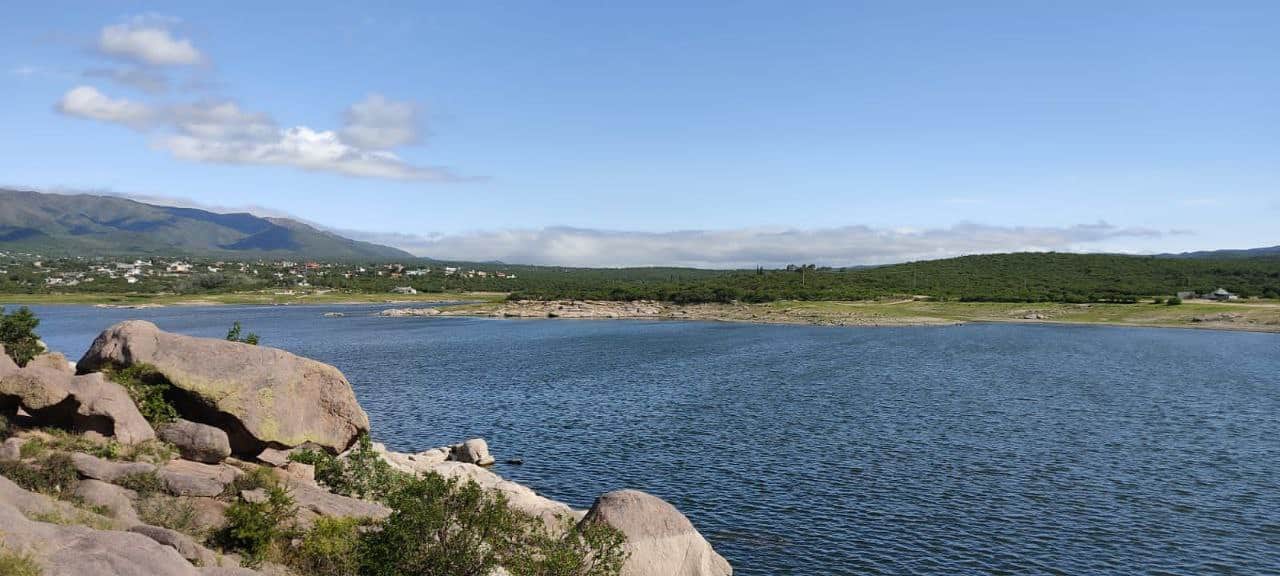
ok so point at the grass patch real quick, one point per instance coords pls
(53, 474)
(252, 479)
(147, 386)
(172, 512)
(54, 439)
(18, 564)
(76, 518)
(144, 483)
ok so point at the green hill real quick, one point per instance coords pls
(88, 225)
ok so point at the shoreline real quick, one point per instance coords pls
(1262, 318)
(1254, 316)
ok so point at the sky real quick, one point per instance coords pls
(715, 134)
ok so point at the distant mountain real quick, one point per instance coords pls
(1268, 252)
(88, 225)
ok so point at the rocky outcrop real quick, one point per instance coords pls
(53, 395)
(473, 451)
(409, 312)
(195, 441)
(262, 397)
(660, 540)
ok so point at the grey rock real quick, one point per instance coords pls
(187, 478)
(11, 448)
(106, 470)
(660, 540)
(473, 451)
(310, 497)
(274, 457)
(195, 441)
(119, 501)
(105, 407)
(183, 544)
(262, 397)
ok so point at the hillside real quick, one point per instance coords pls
(88, 225)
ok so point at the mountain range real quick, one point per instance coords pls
(91, 225)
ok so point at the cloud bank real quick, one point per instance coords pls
(749, 247)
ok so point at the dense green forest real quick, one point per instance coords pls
(1030, 277)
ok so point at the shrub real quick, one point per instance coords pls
(147, 387)
(362, 473)
(53, 474)
(144, 483)
(17, 564)
(6, 428)
(234, 335)
(18, 335)
(257, 528)
(441, 526)
(330, 548)
(1157, 300)
(253, 479)
(170, 512)
(589, 550)
(1173, 301)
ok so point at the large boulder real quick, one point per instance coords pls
(48, 390)
(183, 544)
(660, 540)
(116, 501)
(196, 441)
(105, 407)
(473, 451)
(262, 397)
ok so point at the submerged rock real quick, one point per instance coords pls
(262, 397)
(660, 540)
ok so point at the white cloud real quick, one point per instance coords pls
(142, 79)
(225, 133)
(380, 124)
(300, 147)
(88, 102)
(749, 247)
(147, 39)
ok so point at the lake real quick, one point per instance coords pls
(1000, 449)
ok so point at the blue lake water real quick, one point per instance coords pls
(998, 449)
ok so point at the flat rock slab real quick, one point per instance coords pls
(90, 466)
(117, 500)
(187, 478)
(183, 544)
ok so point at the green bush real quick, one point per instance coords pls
(147, 387)
(1173, 301)
(234, 335)
(253, 479)
(362, 473)
(53, 474)
(441, 526)
(330, 548)
(17, 564)
(593, 549)
(144, 483)
(257, 529)
(18, 335)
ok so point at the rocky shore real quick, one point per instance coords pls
(653, 310)
(99, 478)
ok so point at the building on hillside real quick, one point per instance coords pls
(1187, 295)
(1222, 294)
(403, 290)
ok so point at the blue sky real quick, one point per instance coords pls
(714, 134)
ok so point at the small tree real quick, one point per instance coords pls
(1173, 301)
(18, 335)
(234, 335)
